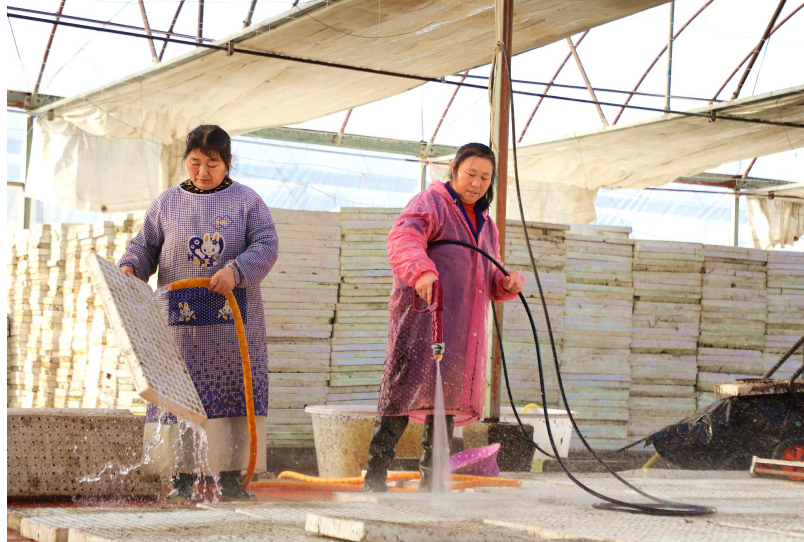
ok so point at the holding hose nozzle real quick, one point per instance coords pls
(436, 308)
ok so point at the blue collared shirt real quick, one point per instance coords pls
(479, 208)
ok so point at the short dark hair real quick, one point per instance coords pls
(481, 151)
(212, 140)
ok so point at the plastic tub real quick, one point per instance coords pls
(342, 434)
(560, 426)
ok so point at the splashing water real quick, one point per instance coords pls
(440, 473)
(154, 296)
(200, 469)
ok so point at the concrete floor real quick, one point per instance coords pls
(547, 507)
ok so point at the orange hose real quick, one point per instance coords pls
(247, 382)
(488, 482)
(459, 481)
(392, 476)
(317, 486)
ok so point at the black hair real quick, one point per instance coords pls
(211, 140)
(478, 150)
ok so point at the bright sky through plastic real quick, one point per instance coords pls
(614, 55)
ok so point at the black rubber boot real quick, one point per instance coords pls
(182, 488)
(426, 460)
(232, 489)
(384, 438)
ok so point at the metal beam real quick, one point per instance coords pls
(501, 103)
(365, 143)
(718, 180)
(170, 30)
(20, 99)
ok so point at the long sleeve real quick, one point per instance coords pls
(262, 246)
(407, 242)
(144, 249)
(496, 291)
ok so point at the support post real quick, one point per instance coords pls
(200, 32)
(501, 96)
(26, 202)
(736, 234)
(423, 183)
(669, 57)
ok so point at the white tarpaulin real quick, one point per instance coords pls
(650, 153)
(777, 222)
(243, 93)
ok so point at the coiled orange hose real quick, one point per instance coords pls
(247, 382)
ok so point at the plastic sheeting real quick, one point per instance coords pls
(775, 223)
(559, 178)
(543, 202)
(243, 93)
(657, 151)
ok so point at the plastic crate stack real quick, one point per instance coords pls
(299, 297)
(785, 295)
(361, 320)
(734, 311)
(549, 252)
(664, 344)
(596, 366)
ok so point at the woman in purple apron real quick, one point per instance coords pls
(457, 210)
(209, 226)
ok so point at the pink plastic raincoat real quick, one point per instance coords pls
(469, 280)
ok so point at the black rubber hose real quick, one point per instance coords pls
(664, 507)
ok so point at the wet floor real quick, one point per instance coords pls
(547, 506)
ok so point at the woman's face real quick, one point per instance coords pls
(205, 172)
(472, 179)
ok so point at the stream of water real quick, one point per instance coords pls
(441, 478)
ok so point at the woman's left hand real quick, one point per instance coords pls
(513, 283)
(223, 281)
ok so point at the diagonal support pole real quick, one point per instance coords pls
(47, 52)
(586, 80)
(343, 127)
(547, 88)
(758, 48)
(775, 28)
(154, 56)
(656, 60)
(250, 14)
(170, 30)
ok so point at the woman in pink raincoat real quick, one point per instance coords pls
(456, 210)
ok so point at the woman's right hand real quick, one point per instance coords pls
(127, 269)
(424, 286)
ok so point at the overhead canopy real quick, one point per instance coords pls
(560, 177)
(243, 93)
